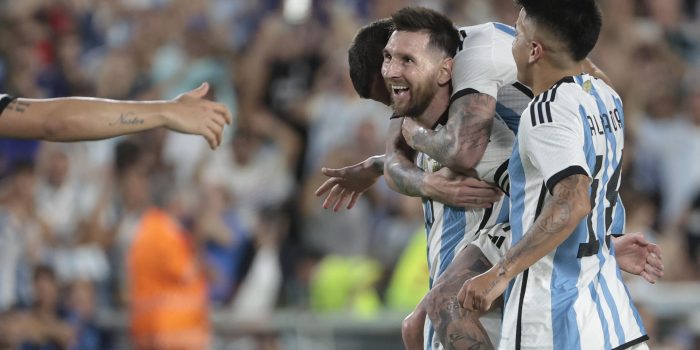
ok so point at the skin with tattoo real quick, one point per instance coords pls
(456, 327)
(569, 205)
(84, 118)
(463, 141)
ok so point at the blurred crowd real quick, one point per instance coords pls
(157, 221)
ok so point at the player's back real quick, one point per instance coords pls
(573, 297)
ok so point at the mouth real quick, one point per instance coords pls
(399, 91)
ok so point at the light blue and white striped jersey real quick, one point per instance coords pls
(574, 297)
(484, 63)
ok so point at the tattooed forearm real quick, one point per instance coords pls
(456, 327)
(405, 178)
(462, 142)
(128, 118)
(377, 164)
(400, 172)
(18, 106)
(569, 204)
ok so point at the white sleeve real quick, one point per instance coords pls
(555, 148)
(485, 63)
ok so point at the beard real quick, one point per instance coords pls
(418, 102)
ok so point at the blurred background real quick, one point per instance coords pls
(239, 253)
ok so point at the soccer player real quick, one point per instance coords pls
(567, 290)
(356, 179)
(82, 118)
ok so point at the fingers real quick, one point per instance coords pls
(332, 196)
(655, 269)
(353, 200)
(461, 296)
(341, 198)
(221, 110)
(333, 172)
(326, 186)
(472, 182)
(199, 92)
(210, 136)
(655, 250)
(217, 131)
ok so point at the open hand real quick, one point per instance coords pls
(191, 113)
(636, 255)
(347, 184)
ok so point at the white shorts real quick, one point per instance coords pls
(494, 242)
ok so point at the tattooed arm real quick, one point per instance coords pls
(82, 118)
(462, 142)
(401, 174)
(569, 204)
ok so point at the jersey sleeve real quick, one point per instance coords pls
(483, 64)
(4, 101)
(554, 145)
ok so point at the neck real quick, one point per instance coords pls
(435, 109)
(547, 75)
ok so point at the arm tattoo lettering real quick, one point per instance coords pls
(128, 118)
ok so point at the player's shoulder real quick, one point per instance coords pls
(486, 34)
(559, 103)
(488, 28)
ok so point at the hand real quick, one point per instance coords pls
(448, 187)
(347, 184)
(409, 128)
(478, 293)
(634, 254)
(192, 114)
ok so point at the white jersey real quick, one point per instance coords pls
(574, 297)
(484, 64)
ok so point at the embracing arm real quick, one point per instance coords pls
(83, 118)
(401, 174)
(569, 204)
(462, 142)
(560, 215)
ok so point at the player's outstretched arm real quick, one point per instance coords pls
(462, 142)
(83, 118)
(569, 204)
(347, 184)
(636, 255)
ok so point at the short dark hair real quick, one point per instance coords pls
(365, 54)
(443, 34)
(575, 22)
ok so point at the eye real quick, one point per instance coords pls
(407, 60)
(387, 56)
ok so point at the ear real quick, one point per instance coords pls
(536, 52)
(445, 71)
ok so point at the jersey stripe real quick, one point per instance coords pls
(601, 315)
(505, 28)
(519, 326)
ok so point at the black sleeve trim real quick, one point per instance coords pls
(461, 93)
(632, 343)
(4, 101)
(524, 89)
(572, 170)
